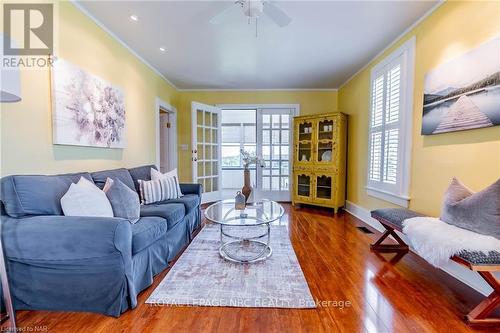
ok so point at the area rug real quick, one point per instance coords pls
(200, 277)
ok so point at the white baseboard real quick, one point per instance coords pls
(457, 271)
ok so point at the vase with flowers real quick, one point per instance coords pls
(249, 158)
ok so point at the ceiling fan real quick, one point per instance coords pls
(253, 9)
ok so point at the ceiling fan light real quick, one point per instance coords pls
(253, 8)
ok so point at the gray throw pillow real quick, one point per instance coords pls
(124, 200)
(478, 212)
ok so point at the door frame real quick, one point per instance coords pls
(209, 196)
(172, 133)
(295, 112)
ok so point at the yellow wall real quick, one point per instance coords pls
(310, 102)
(472, 156)
(26, 136)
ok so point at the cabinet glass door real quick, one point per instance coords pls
(325, 141)
(303, 187)
(304, 132)
(324, 186)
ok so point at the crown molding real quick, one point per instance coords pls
(119, 40)
(391, 44)
(258, 89)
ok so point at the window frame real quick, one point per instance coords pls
(395, 193)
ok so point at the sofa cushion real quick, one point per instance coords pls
(190, 201)
(147, 231)
(36, 194)
(141, 173)
(122, 174)
(172, 212)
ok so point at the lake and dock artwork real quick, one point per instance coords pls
(464, 93)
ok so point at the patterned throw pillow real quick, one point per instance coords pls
(158, 190)
(478, 212)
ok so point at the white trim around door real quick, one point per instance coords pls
(172, 139)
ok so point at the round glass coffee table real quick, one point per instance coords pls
(245, 229)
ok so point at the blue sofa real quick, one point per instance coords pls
(95, 264)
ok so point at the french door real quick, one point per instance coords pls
(205, 120)
(274, 137)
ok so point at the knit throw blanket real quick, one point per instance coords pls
(437, 241)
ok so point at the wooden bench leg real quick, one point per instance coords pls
(479, 315)
(379, 247)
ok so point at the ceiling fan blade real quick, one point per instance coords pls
(277, 15)
(226, 14)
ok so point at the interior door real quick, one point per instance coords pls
(164, 144)
(274, 145)
(206, 149)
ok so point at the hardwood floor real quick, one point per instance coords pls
(410, 296)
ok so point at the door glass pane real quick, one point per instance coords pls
(276, 137)
(276, 152)
(266, 171)
(304, 185)
(215, 185)
(284, 168)
(208, 185)
(266, 152)
(208, 152)
(214, 136)
(284, 184)
(266, 183)
(284, 152)
(276, 120)
(215, 120)
(324, 187)
(199, 134)
(208, 119)
(208, 136)
(215, 153)
(266, 137)
(285, 121)
(266, 121)
(201, 170)
(199, 152)
(275, 183)
(199, 116)
(285, 134)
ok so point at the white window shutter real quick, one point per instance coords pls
(389, 130)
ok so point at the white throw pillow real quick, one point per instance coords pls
(85, 199)
(156, 175)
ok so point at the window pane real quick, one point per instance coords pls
(250, 149)
(250, 132)
(230, 155)
(231, 134)
(276, 152)
(284, 168)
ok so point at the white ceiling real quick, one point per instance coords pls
(326, 42)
